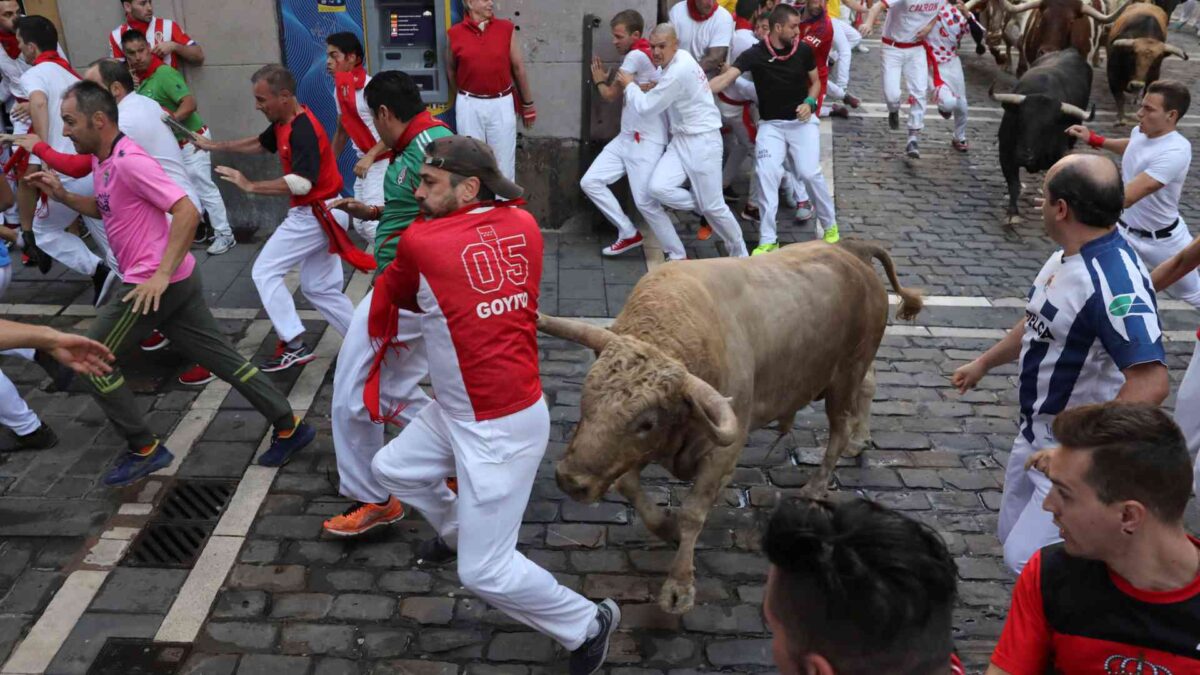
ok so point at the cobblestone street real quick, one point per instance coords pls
(271, 595)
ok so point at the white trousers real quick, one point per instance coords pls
(300, 242)
(14, 412)
(1189, 12)
(493, 121)
(779, 140)
(356, 438)
(1025, 527)
(369, 191)
(199, 169)
(495, 462)
(911, 64)
(626, 156)
(50, 224)
(1155, 252)
(1187, 411)
(952, 77)
(697, 157)
(738, 146)
(845, 39)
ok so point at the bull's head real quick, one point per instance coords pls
(1041, 125)
(638, 404)
(1148, 55)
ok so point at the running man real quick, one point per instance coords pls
(907, 24)
(488, 424)
(344, 62)
(310, 238)
(167, 39)
(947, 83)
(162, 287)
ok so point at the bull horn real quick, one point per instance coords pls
(1123, 42)
(1173, 50)
(1074, 111)
(1023, 7)
(1015, 99)
(717, 410)
(1092, 12)
(594, 338)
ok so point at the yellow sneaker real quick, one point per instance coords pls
(361, 517)
(765, 248)
(831, 234)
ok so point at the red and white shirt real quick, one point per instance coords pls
(947, 34)
(473, 277)
(906, 18)
(159, 29)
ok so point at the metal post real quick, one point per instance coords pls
(590, 23)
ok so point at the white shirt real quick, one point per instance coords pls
(698, 37)
(652, 127)
(12, 69)
(364, 112)
(683, 93)
(140, 118)
(1165, 159)
(905, 18)
(52, 80)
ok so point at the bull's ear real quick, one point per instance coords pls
(713, 409)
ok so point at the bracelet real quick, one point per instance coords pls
(810, 102)
(530, 104)
(1096, 140)
(376, 212)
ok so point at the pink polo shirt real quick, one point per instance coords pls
(134, 195)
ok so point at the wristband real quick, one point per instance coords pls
(530, 104)
(811, 103)
(376, 212)
(1096, 140)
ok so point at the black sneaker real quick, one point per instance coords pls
(204, 233)
(894, 120)
(435, 553)
(60, 375)
(102, 280)
(286, 358)
(729, 195)
(43, 438)
(591, 654)
(912, 150)
(751, 213)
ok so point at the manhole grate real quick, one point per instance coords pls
(196, 500)
(130, 656)
(174, 545)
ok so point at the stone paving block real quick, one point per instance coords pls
(300, 605)
(288, 527)
(737, 620)
(730, 564)
(12, 629)
(647, 616)
(527, 647)
(268, 577)
(581, 536)
(437, 640)
(619, 588)
(270, 664)
(31, 592)
(408, 667)
(921, 478)
(601, 512)
(598, 561)
(89, 635)
(240, 604)
(406, 581)
(312, 638)
(428, 610)
(210, 664)
(331, 666)
(670, 651)
(239, 636)
(982, 569)
(385, 644)
(739, 652)
(362, 607)
(141, 590)
(385, 554)
(259, 551)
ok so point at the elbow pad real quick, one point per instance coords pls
(298, 185)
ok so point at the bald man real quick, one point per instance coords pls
(694, 152)
(1090, 334)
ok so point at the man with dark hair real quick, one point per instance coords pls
(855, 588)
(164, 84)
(1121, 592)
(904, 30)
(407, 128)
(1090, 334)
(344, 62)
(161, 289)
(310, 238)
(635, 151)
(166, 38)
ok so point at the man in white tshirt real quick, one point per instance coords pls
(904, 31)
(694, 152)
(636, 151)
(344, 61)
(1154, 164)
(705, 31)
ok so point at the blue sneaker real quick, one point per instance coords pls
(282, 449)
(133, 467)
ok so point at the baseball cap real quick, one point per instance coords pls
(468, 156)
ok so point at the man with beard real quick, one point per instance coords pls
(166, 38)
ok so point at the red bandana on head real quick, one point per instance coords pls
(54, 57)
(694, 12)
(9, 40)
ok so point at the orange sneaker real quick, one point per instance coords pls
(452, 483)
(705, 232)
(361, 517)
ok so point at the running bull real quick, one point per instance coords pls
(1056, 25)
(1136, 48)
(1048, 98)
(695, 362)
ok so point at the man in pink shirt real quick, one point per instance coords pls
(161, 289)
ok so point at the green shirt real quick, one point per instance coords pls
(399, 194)
(167, 88)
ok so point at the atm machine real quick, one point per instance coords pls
(410, 35)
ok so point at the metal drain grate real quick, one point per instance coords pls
(196, 500)
(176, 535)
(130, 656)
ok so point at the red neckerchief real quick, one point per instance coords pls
(54, 57)
(783, 57)
(141, 26)
(345, 89)
(155, 64)
(643, 46)
(695, 13)
(419, 124)
(742, 24)
(9, 40)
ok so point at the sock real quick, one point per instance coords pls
(287, 433)
(147, 451)
(295, 343)
(593, 628)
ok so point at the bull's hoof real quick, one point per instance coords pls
(856, 446)
(1014, 220)
(677, 597)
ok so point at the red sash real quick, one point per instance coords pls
(933, 67)
(346, 86)
(695, 13)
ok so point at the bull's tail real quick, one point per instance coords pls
(911, 303)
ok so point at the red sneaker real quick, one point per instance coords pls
(155, 342)
(623, 245)
(196, 376)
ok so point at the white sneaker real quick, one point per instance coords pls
(862, 49)
(804, 210)
(222, 244)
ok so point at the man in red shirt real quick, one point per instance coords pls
(1121, 592)
(470, 269)
(485, 63)
(166, 38)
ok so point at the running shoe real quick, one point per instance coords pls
(132, 467)
(851, 100)
(958, 145)
(912, 149)
(204, 233)
(196, 376)
(893, 120)
(622, 245)
(361, 517)
(729, 195)
(42, 438)
(284, 448)
(590, 656)
(751, 213)
(222, 244)
(435, 553)
(839, 111)
(862, 49)
(705, 232)
(286, 357)
(831, 234)
(804, 210)
(155, 342)
(765, 248)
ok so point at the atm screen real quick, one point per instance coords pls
(411, 26)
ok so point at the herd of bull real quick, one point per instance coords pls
(1058, 42)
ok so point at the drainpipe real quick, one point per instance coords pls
(590, 23)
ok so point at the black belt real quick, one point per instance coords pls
(1156, 234)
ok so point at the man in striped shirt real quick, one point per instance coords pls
(167, 39)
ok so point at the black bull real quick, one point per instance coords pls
(1051, 96)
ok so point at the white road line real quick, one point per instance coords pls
(37, 650)
(194, 599)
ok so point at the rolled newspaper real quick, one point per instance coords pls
(179, 128)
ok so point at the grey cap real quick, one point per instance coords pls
(468, 156)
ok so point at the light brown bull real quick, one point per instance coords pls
(1136, 48)
(707, 351)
